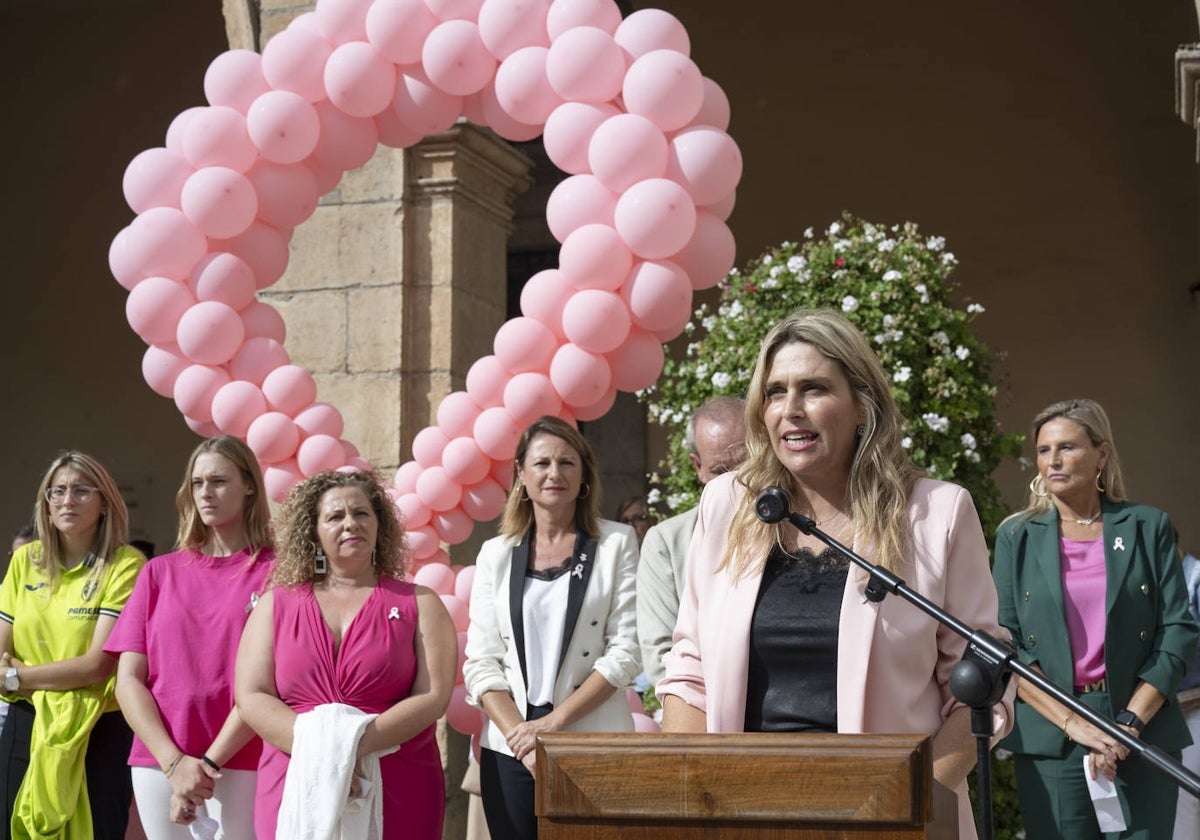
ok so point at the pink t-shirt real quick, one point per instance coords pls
(1085, 585)
(186, 615)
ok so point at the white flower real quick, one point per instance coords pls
(936, 422)
(841, 245)
(874, 296)
(832, 229)
(796, 263)
(962, 352)
(935, 243)
(906, 443)
(768, 259)
(775, 271)
(968, 440)
(692, 348)
(891, 274)
(902, 375)
(736, 309)
(887, 245)
(849, 303)
(674, 501)
(923, 291)
(972, 456)
(702, 370)
(975, 309)
(837, 275)
(770, 282)
(889, 321)
(940, 337)
(721, 379)
(808, 233)
(654, 496)
(949, 259)
(709, 322)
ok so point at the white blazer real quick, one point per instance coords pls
(601, 629)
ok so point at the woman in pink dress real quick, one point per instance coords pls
(340, 626)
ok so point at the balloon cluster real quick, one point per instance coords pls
(621, 108)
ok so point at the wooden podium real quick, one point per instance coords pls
(737, 787)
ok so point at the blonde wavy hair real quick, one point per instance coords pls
(1091, 416)
(881, 474)
(296, 527)
(112, 531)
(518, 510)
(256, 513)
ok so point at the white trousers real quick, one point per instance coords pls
(232, 805)
(1187, 812)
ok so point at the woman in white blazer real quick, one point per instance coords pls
(553, 635)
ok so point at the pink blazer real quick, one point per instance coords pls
(894, 662)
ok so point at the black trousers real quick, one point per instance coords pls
(507, 788)
(106, 764)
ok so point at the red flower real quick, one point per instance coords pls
(839, 262)
(749, 287)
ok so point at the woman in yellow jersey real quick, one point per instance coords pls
(64, 745)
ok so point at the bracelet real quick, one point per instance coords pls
(1067, 720)
(216, 768)
(174, 764)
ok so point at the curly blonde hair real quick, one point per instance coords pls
(296, 527)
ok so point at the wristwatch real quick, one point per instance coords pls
(1128, 718)
(12, 681)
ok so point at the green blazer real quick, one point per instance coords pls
(1150, 634)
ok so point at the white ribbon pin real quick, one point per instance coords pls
(578, 571)
(1118, 544)
(394, 612)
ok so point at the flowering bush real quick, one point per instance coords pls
(893, 284)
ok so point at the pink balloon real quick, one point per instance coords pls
(393, 132)
(463, 581)
(428, 445)
(263, 247)
(502, 469)
(405, 480)
(321, 418)
(204, 428)
(236, 405)
(234, 79)
(483, 502)
(155, 178)
(219, 201)
(283, 126)
(585, 64)
(644, 723)
(280, 478)
(258, 357)
(121, 264)
(398, 28)
(659, 296)
(294, 60)
(497, 433)
(437, 577)
(413, 512)
(634, 700)
(485, 381)
(595, 257)
(465, 462)
(565, 15)
(544, 296)
(656, 218)
(423, 106)
(175, 131)
(289, 389)
(210, 333)
(527, 397)
(458, 614)
(453, 526)
(195, 388)
(714, 107)
(455, 9)
(568, 133)
(637, 363)
(523, 344)
(710, 254)
(161, 367)
(506, 26)
(626, 149)
(224, 278)
(522, 88)
(260, 320)
(721, 209)
(596, 410)
(342, 20)
(501, 122)
(287, 195)
(437, 490)
(577, 201)
(580, 377)
(665, 86)
(596, 320)
(218, 136)
(706, 162)
(163, 242)
(464, 717)
(422, 542)
(455, 58)
(456, 414)
(320, 453)
(346, 142)
(359, 79)
(273, 437)
(652, 29)
(154, 308)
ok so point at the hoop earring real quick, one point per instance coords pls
(320, 564)
(522, 494)
(1037, 486)
(861, 430)
(1099, 485)
(586, 490)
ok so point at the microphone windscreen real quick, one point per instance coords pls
(772, 505)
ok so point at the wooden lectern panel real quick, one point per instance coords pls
(762, 786)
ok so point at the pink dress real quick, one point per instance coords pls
(373, 670)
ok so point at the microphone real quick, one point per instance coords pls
(773, 505)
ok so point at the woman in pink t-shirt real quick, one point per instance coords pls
(177, 640)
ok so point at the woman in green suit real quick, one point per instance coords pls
(1093, 594)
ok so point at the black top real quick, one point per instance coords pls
(792, 682)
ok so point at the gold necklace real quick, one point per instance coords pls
(1087, 521)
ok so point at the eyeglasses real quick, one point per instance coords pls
(81, 494)
(635, 519)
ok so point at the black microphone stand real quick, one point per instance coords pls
(979, 679)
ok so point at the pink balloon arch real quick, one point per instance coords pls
(622, 110)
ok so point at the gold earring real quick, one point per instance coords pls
(522, 494)
(1099, 485)
(1037, 486)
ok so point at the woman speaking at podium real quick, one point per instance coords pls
(775, 633)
